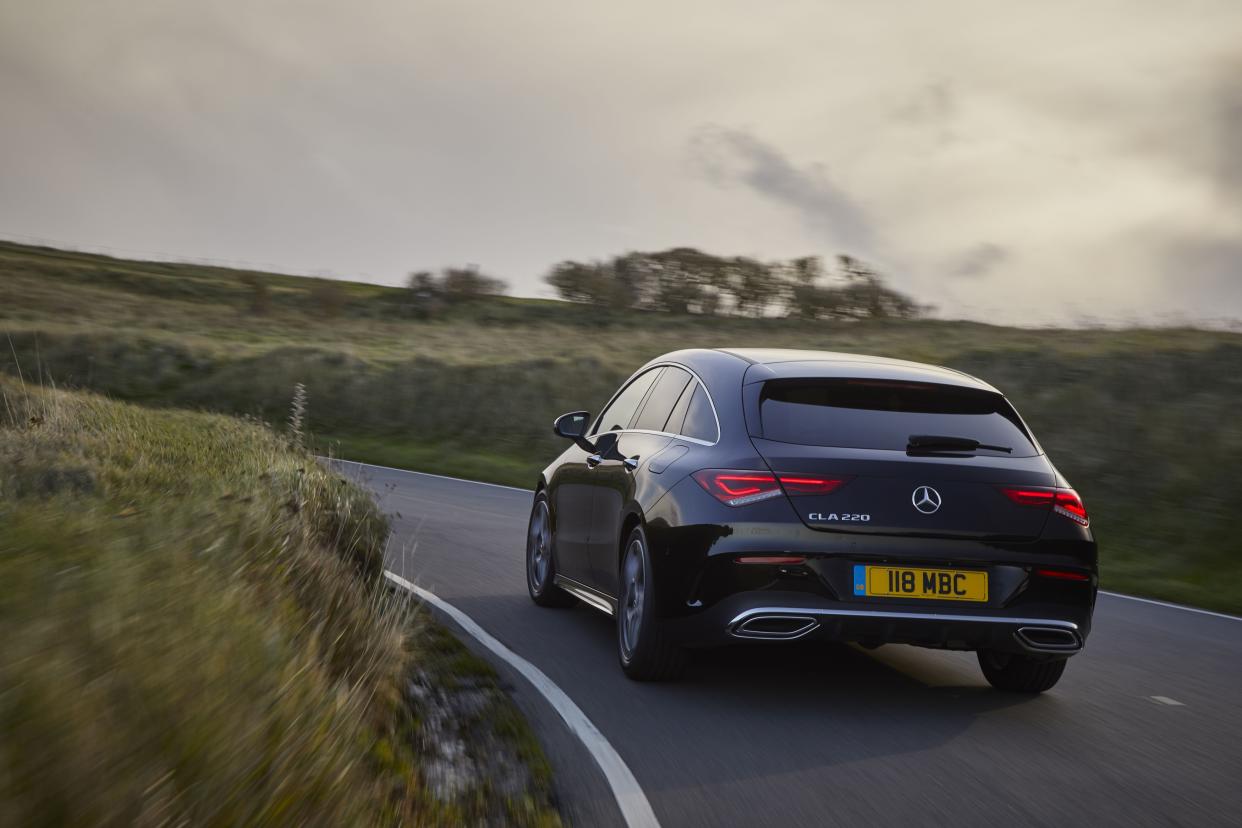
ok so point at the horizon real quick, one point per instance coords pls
(1169, 322)
(1023, 166)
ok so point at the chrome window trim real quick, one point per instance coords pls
(694, 440)
(710, 402)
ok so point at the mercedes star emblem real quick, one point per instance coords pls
(926, 500)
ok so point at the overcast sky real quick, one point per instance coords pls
(1011, 161)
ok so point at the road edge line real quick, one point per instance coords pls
(428, 474)
(635, 809)
(1171, 605)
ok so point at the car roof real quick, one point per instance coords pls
(790, 362)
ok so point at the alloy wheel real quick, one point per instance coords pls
(538, 547)
(633, 576)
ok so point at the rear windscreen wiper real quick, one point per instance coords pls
(936, 442)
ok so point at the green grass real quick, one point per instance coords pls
(193, 629)
(451, 459)
(1143, 421)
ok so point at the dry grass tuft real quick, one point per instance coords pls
(192, 629)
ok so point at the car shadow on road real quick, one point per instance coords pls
(756, 709)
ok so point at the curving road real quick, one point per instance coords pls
(1145, 728)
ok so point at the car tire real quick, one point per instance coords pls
(1018, 673)
(540, 562)
(643, 646)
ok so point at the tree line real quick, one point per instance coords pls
(689, 281)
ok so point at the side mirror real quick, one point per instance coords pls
(573, 426)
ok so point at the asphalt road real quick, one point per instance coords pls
(796, 734)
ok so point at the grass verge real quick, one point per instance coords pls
(1142, 421)
(193, 630)
(452, 459)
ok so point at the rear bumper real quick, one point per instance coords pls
(716, 590)
(769, 616)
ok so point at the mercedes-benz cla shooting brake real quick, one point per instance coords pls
(772, 495)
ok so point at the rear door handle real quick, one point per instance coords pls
(593, 460)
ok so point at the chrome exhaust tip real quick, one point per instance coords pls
(1048, 639)
(770, 627)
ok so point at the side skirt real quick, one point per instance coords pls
(591, 597)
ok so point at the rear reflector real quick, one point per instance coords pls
(737, 488)
(781, 560)
(1063, 574)
(1064, 502)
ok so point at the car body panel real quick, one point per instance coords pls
(880, 486)
(571, 495)
(696, 541)
(619, 493)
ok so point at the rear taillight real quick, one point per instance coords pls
(1069, 504)
(737, 488)
(800, 484)
(1030, 497)
(1064, 502)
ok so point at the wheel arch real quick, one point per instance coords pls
(632, 519)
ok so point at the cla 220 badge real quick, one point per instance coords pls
(819, 517)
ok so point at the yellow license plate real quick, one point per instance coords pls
(908, 582)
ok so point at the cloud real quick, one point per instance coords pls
(979, 261)
(933, 107)
(728, 156)
(1201, 267)
(1205, 277)
(1227, 132)
(425, 134)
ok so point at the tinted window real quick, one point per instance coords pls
(700, 421)
(880, 414)
(618, 415)
(678, 417)
(663, 397)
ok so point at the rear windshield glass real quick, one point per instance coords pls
(881, 414)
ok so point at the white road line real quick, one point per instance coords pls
(1166, 700)
(635, 808)
(1171, 606)
(429, 474)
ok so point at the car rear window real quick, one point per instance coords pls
(882, 414)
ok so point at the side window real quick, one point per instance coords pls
(664, 395)
(675, 420)
(618, 415)
(700, 421)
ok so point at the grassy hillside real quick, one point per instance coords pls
(1144, 422)
(193, 630)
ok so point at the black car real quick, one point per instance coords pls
(773, 495)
